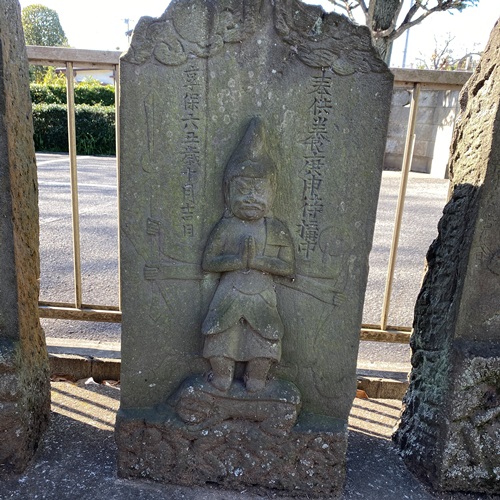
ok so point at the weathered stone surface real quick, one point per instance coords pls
(193, 83)
(472, 447)
(24, 373)
(235, 453)
(450, 427)
(201, 405)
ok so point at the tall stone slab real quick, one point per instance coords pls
(449, 432)
(24, 369)
(224, 100)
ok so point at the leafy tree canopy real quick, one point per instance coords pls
(387, 20)
(42, 26)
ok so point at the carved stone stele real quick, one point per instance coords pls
(450, 428)
(253, 135)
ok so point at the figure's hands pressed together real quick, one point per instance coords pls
(251, 251)
(248, 252)
(244, 253)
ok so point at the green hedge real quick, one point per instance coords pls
(47, 94)
(95, 128)
(85, 93)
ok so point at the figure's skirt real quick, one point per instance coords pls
(241, 343)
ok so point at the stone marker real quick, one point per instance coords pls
(252, 146)
(24, 368)
(449, 432)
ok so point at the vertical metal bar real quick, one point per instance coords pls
(405, 169)
(117, 139)
(77, 270)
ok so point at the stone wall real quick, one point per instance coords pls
(436, 115)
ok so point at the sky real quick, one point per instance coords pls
(101, 24)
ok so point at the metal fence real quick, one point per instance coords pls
(74, 59)
(71, 60)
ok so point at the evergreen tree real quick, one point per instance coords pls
(42, 27)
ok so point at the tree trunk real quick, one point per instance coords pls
(384, 48)
(383, 13)
(382, 16)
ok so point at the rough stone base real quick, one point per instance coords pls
(172, 444)
(24, 415)
(471, 455)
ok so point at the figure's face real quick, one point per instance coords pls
(250, 198)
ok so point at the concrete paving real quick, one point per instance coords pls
(77, 458)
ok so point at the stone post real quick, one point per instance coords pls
(24, 369)
(449, 431)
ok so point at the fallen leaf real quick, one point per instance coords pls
(59, 378)
(360, 394)
(111, 383)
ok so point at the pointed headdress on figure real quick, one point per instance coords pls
(250, 158)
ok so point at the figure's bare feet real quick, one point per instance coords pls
(220, 382)
(256, 374)
(222, 373)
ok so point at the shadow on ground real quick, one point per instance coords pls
(77, 457)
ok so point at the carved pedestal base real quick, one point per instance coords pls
(235, 439)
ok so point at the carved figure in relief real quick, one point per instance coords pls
(249, 247)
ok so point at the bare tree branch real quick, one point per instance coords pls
(441, 6)
(420, 8)
(363, 6)
(442, 57)
(444, 54)
(348, 6)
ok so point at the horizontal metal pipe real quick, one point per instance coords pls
(82, 314)
(391, 336)
(70, 305)
(388, 328)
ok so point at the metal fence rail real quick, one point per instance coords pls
(73, 59)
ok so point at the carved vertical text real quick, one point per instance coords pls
(190, 146)
(314, 165)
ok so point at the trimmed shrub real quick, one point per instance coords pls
(47, 94)
(93, 93)
(85, 93)
(95, 128)
(50, 124)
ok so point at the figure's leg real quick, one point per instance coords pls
(256, 373)
(222, 372)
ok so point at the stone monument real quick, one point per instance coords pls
(253, 136)
(449, 432)
(24, 367)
